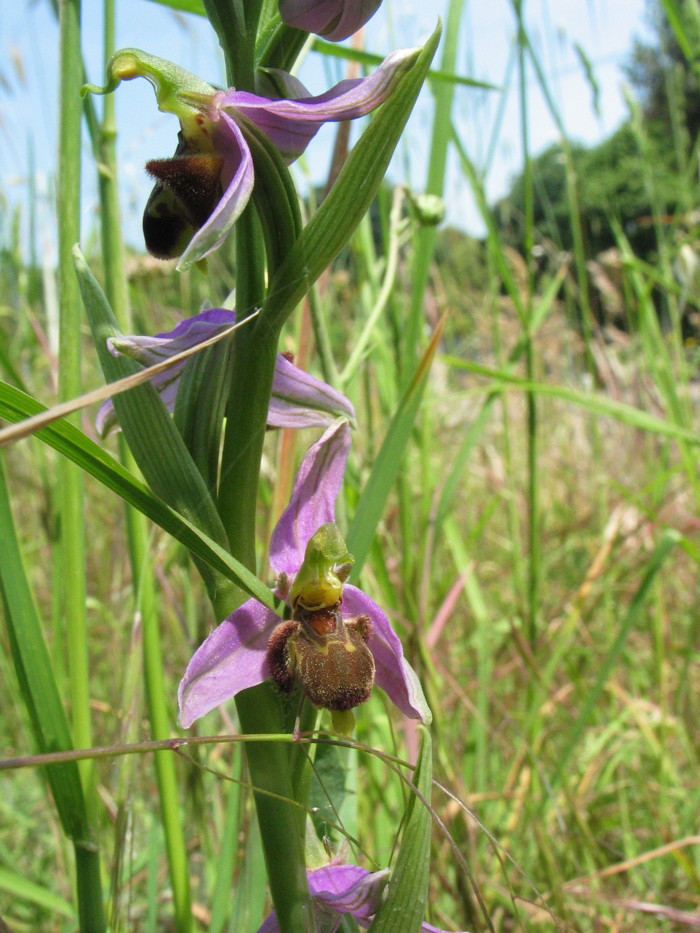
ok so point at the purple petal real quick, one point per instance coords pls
(237, 181)
(332, 19)
(393, 672)
(231, 659)
(299, 400)
(291, 124)
(192, 331)
(270, 924)
(312, 504)
(349, 889)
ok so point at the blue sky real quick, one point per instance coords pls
(605, 31)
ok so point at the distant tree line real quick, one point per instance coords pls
(647, 169)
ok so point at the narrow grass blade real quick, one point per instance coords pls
(35, 675)
(404, 908)
(22, 889)
(386, 465)
(185, 6)
(596, 404)
(372, 58)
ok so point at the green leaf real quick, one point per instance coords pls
(72, 443)
(404, 907)
(36, 679)
(371, 504)
(350, 197)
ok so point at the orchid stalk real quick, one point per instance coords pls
(331, 644)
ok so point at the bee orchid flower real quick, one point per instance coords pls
(337, 643)
(204, 187)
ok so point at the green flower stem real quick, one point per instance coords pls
(283, 47)
(159, 711)
(70, 483)
(281, 822)
(235, 23)
(259, 709)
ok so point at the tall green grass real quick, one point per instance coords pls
(538, 553)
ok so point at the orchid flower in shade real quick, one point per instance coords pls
(332, 19)
(343, 889)
(254, 642)
(204, 187)
(298, 399)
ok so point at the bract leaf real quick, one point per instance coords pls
(351, 195)
(152, 436)
(404, 907)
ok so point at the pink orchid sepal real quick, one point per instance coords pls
(299, 400)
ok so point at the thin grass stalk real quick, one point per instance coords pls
(70, 478)
(587, 318)
(530, 398)
(443, 92)
(228, 850)
(424, 248)
(70, 481)
(159, 709)
(380, 302)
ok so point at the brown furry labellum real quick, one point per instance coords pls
(188, 188)
(326, 654)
